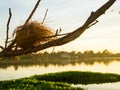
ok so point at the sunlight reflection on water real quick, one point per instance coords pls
(12, 73)
(20, 70)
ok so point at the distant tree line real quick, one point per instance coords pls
(60, 58)
(76, 55)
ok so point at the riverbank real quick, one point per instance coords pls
(59, 81)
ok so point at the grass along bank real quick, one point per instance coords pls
(58, 81)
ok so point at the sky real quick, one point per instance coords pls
(69, 15)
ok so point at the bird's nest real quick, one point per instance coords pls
(33, 34)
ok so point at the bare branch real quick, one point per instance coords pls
(7, 32)
(33, 11)
(44, 16)
(100, 11)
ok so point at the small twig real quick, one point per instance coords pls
(2, 47)
(33, 11)
(44, 17)
(58, 31)
(7, 32)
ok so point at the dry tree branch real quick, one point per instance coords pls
(65, 39)
(44, 16)
(33, 11)
(7, 31)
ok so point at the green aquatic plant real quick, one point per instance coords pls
(34, 84)
(58, 81)
(78, 77)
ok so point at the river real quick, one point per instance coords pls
(22, 69)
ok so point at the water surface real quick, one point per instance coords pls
(20, 69)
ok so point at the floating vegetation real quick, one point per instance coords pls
(58, 81)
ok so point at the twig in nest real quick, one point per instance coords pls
(7, 32)
(44, 16)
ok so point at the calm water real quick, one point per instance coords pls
(105, 86)
(20, 70)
